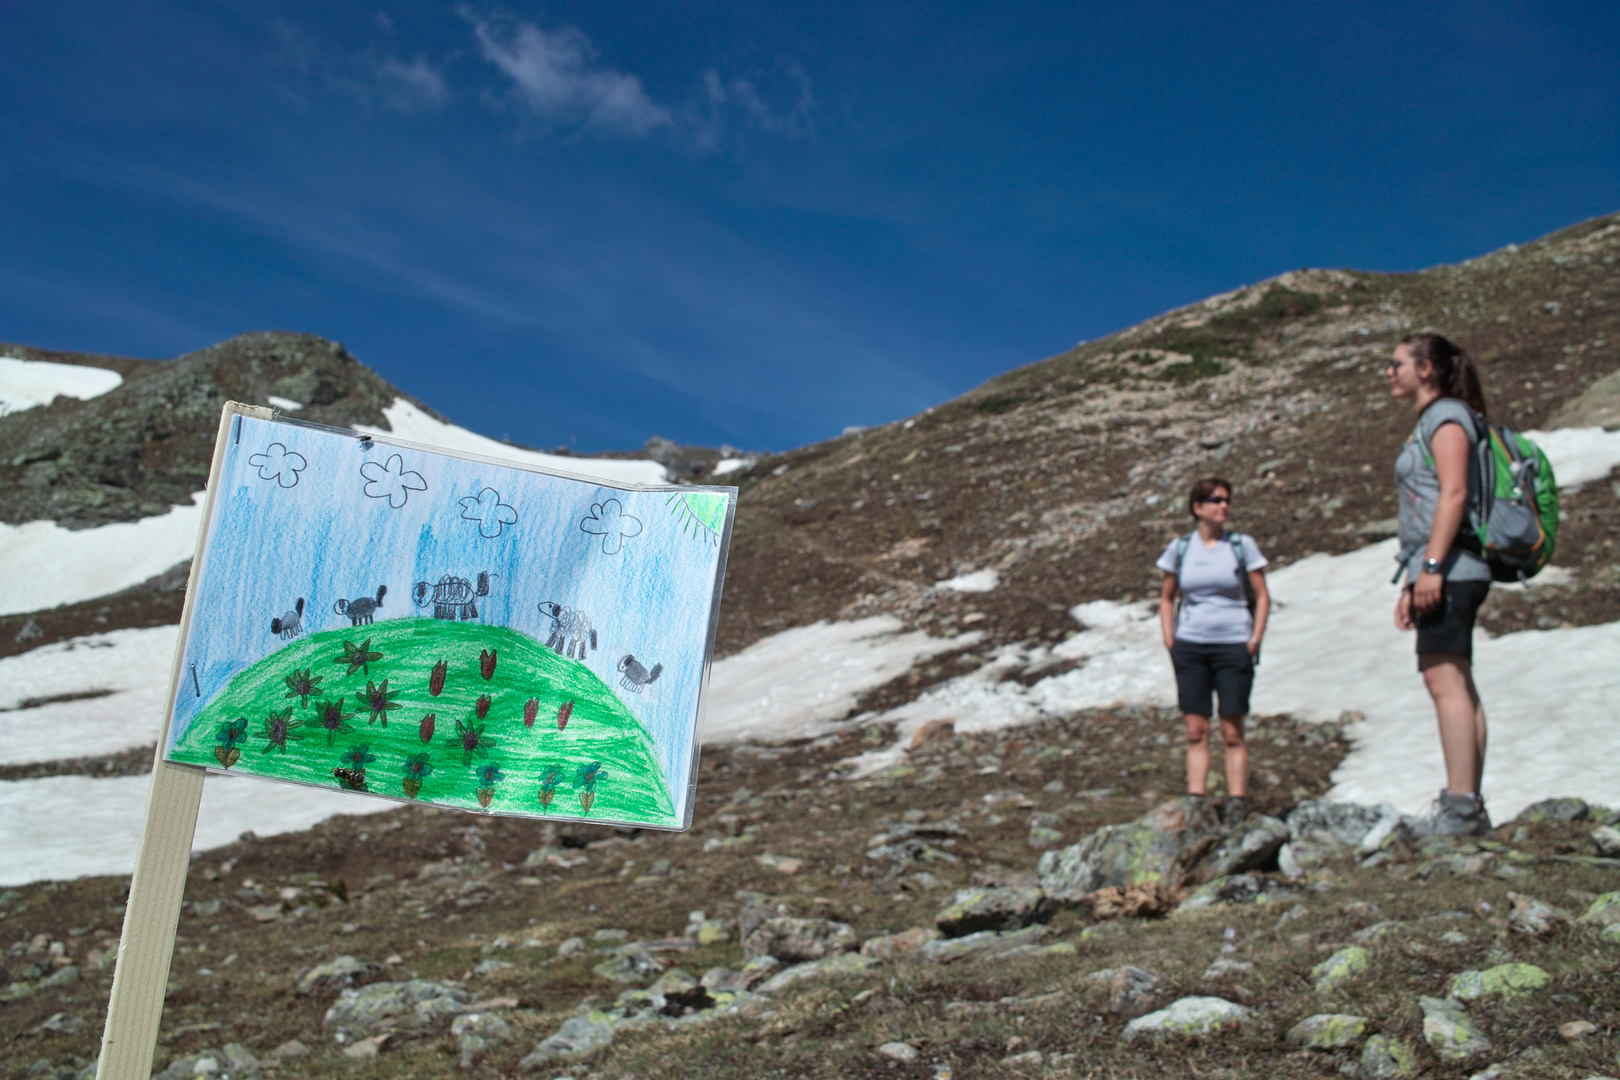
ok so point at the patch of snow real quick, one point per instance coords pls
(412, 424)
(1579, 455)
(732, 464)
(802, 682)
(45, 565)
(106, 817)
(976, 582)
(287, 404)
(133, 664)
(28, 384)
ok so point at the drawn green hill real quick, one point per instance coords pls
(356, 699)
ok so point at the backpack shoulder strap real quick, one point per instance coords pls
(1181, 552)
(1237, 552)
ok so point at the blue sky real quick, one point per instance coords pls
(756, 224)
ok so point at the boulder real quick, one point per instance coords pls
(1449, 1032)
(985, 943)
(1328, 1031)
(894, 946)
(1190, 1017)
(793, 941)
(1606, 841)
(476, 1032)
(1133, 991)
(1503, 980)
(1551, 811)
(1252, 847)
(972, 910)
(1604, 911)
(1160, 846)
(1346, 822)
(417, 1006)
(1384, 1058)
(1340, 968)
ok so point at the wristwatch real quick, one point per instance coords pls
(1431, 566)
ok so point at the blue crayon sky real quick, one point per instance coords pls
(756, 223)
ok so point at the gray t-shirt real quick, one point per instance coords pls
(1418, 488)
(1214, 607)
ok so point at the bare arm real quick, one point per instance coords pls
(1449, 446)
(1262, 608)
(1167, 609)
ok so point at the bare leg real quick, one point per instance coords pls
(1237, 756)
(1450, 681)
(1197, 753)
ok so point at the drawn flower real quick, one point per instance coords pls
(470, 739)
(488, 775)
(391, 480)
(608, 520)
(417, 768)
(330, 715)
(585, 782)
(548, 786)
(531, 710)
(424, 731)
(563, 713)
(491, 514)
(359, 757)
(436, 680)
(481, 706)
(279, 464)
(486, 663)
(229, 735)
(303, 686)
(700, 513)
(278, 728)
(377, 699)
(358, 656)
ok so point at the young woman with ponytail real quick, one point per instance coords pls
(1437, 477)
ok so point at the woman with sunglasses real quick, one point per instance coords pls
(1214, 639)
(1437, 478)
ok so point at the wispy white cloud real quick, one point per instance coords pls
(409, 87)
(559, 77)
(753, 99)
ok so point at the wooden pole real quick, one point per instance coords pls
(158, 887)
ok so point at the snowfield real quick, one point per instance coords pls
(28, 384)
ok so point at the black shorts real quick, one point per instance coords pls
(1202, 671)
(1449, 628)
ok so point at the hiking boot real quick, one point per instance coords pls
(1454, 815)
(1235, 812)
(1197, 809)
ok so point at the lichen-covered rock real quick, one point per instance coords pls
(841, 964)
(974, 946)
(1045, 830)
(1328, 1031)
(1158, 847)
(793, 941)
(1604, 911)
(972, 910)
(1449, 1031)
(1385, 1058)
(1346, 822)
(1379, 930)
(1606, 840)
(1503, 980)
(579, 1037)
(1133, 991)
(1236, 889)
(1190, 1017)
(1552, 810)
(630, 965)
(894, 946)
(419, 1005)
(1340, 968)
(1253, 847)
(476, 1032)
(336, 974)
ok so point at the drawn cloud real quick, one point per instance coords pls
(608, 520)
(279, 464)
(491, 514)
(391, 481)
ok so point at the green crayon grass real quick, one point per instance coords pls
(355, 709)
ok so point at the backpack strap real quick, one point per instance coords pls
(1181, 553)
(1237, 554)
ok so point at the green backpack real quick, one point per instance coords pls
(1515, 527)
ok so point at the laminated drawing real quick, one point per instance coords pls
(385, 618)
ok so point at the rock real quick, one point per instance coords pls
(1340, 968)
(570, 946)
(611, 933)
(841, 964)
(491, 966)
(1606, 839)
(1385, 1058)
(1159, 846)
(1225, 966)
(631, 965)
(1378, 931)
(290, 1049)
(899, 1051)
(1253, 847)
(782, 864)
(1577, 1029)
(1145, 901)
(238, 1059)
(63, 1024)
(578, 1037)
(64, 976)
(1188, 1018)
(723, 980)
(935, 731)
(476, 1032)
(1534, 917)
(1503, 980)
(1549, 811)
(972, 910)
(419, 1005)
(265, 912)
(335, 975)
(1604, 911)
(1611, 934)
(1328, 1031)
(674, 983)
(1288, 862)
(1133, 991)
(894, 946)
(793, 940)
(1346, 822)
(1045, 830)
(1238, 889)
(1449, 1032)
(367, 1049)
(976, 946)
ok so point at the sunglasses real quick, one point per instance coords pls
(1222, 499)
(1393, 364)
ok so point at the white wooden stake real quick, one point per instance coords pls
(159, 884)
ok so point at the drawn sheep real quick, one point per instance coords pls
(291, 623)
(361, 609)
(636, 676)
(571, 629)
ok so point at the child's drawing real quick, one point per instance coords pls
(391, 480)
(570, 629)
(279, 464)
(492, 515)
(483, 693)
(608, 520)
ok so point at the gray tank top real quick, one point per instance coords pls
(1418, 488)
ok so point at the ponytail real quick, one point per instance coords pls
(1455, 372)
